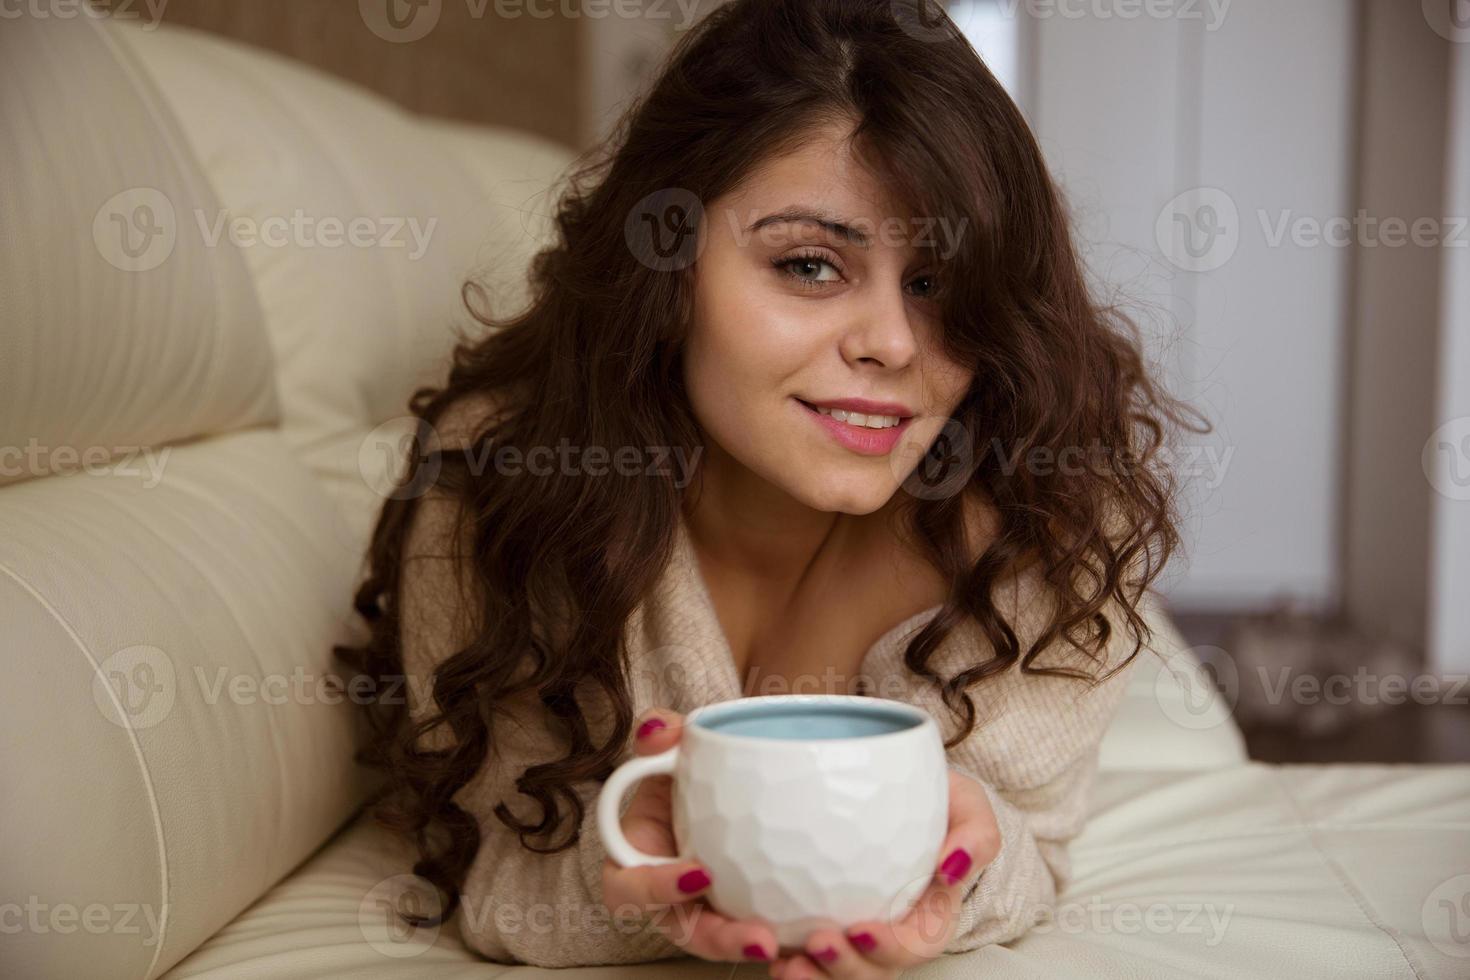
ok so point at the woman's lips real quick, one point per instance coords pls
(858, 438)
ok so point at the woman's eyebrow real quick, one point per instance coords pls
(825, 219)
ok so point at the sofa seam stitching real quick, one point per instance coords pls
(137, 752)
(1358, 898)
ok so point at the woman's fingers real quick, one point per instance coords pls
(664, 894)
(660, 884)
(733, 941)
(648, 820)
(972, 842)
(657, 730)
(829, 953)
(703, 932)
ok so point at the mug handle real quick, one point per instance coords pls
(609, 819)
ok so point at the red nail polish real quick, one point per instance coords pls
(650, 726)
(955, 866)
(864, 941)
(693, 881)
(755, 952)
(825, 955)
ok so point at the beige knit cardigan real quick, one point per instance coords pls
(1034, 750)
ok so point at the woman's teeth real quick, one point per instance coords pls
(858, 418)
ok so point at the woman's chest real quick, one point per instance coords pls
(819, 655)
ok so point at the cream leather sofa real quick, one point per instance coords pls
(197, 409)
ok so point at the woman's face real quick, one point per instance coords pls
(792, 312)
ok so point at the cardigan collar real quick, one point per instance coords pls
(683, 612)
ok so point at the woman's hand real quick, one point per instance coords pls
(881, 950)
(689, 922)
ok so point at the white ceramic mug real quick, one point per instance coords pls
(810, 811)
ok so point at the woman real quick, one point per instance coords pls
(811, 396)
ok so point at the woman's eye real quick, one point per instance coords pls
(810, 269)
(924, 286)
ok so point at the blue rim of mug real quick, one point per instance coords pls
(693, 719)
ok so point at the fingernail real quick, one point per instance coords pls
(826, 954)
(650, 726)
(755, 952)
(955, 866)
(693, 881)
(863, 941)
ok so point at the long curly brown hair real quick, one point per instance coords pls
(563, 560)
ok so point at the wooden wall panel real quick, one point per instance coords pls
(474, 63)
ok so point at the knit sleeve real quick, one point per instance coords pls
(1019, 888)
(517, 905)
(1037, 759)
(1034, 750)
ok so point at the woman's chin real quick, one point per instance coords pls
(861, 497)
